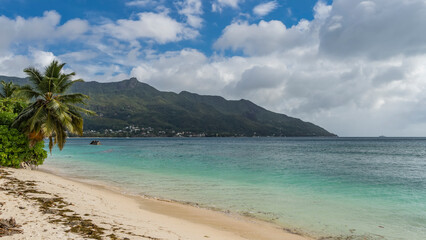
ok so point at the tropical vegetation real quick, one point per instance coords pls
(15, 150)
(8, 90)
(53, 112)
(31, 113)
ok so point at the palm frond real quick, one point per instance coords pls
(28, 92)
(53, 69)
(34, 75)
(82, 110)
(68, 84)
(22, 120)
(63, 80)
(76, 98)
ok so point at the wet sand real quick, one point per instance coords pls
(47, 206)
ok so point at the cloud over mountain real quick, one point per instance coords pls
(353, 59)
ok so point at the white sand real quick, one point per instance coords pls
(125, 216)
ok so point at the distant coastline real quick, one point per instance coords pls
(194, 136)
(132, 108)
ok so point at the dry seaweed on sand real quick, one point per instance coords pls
(54, 206)
(57, 209)
(9, 227)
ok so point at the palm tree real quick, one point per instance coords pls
(8, 89)
(53, 112)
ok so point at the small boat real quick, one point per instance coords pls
(95, 142)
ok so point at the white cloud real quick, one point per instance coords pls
(73, 29)
(264, 9)
(375, 29)
(268, 37)
(42, 58)
(218, 5)
(40, 30)
(83, 55)
(178, 71)
(156, 26)
(265, 37)
(99, 73)
(30, 29)
(322, 10)
(192, 10)
(13, 65)
(141, 3)
(260, 77)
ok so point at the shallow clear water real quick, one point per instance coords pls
(368, 188)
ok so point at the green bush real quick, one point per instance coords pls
(14, 145)
(12, 105)
(15, 149)
(6, 118)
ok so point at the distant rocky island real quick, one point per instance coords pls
(130, 108)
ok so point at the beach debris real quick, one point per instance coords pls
(28, 165)
(95, 142)
(56, 207)
(58, 212)
(9, 227)
(352, 237)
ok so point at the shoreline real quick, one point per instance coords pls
(244, 216)
(143, 217)
(180, 137)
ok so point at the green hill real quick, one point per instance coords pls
(133, 103)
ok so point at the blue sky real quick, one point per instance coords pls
(355, 67)
(95, 11)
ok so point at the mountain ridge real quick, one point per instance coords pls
(134, 103)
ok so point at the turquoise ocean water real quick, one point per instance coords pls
(366, 188)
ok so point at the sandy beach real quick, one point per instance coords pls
(47, 206)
